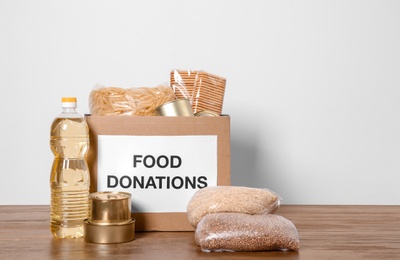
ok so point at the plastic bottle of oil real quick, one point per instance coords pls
(69, 181)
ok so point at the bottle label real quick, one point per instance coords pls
(161, 172)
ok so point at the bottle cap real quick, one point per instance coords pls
(68, 102)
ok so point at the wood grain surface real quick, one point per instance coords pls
(326, 232)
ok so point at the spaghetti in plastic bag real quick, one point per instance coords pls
(142, 101)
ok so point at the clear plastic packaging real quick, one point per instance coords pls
(204, 90)
(236, 199)
(230, 232)
(182, 83)
(142, 101)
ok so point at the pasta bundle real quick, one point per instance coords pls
(141, 101)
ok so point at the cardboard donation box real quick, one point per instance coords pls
(160, 161)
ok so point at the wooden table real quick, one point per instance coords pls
(326, 232)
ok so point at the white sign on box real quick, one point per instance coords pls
(161, 172)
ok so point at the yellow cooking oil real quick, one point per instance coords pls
(70, 179)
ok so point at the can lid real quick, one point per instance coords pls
(208, 113)
(68, 102)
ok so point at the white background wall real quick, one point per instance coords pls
(313, 86)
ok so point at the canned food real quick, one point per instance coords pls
(110, 207)
(208, 113)
(178, 107)
(109, 218)
(109, 233)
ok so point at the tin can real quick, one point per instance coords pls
(178, 107)
(109, 218)
(109, 233)
(208, 113)
(110, 207)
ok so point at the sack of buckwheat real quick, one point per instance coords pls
(232, 232)
(235, 199)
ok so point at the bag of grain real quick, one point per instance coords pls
(230, 232)
(234, 199)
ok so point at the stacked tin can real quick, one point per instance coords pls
(109, 218)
